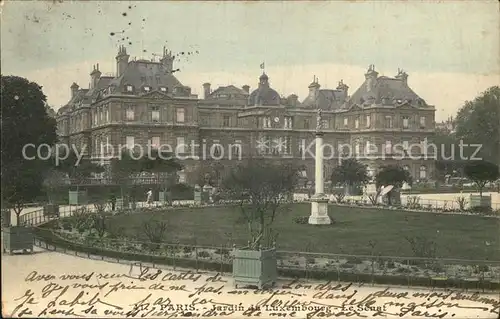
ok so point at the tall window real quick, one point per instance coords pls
(368, 121)
(180, 115)
(326, 124)
(357, 148)
(346, 121)
(288, 122)
(422, 122)
(306, 124)
(266, 122)
(388, 147)
(368, 147)
(130, 113)
(106, 114)
(388, 121)
(95, 118)
(130, 142)
(155, 141)
(235, 148)
(155, 114)
(423, 172)
(356, 122)
(129, 88)
(226, 121)
(406, 121)
(181, 145)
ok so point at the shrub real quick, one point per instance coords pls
(222, 251)
(462, 202)
(346, 265)
(354, 261)
(203, 254)
(303, 220)
(413, 202)
(187, 249)
(155, 230)
(310, 260)
(339, 197)
(422, 247)
(481, 210)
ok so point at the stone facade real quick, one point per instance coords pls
(145, 104)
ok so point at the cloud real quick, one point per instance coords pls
(447, 91)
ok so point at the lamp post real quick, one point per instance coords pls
(319, 202)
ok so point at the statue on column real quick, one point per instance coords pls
(319, 121)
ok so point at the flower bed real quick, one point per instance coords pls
(384, 270)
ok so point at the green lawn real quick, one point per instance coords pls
(461, 237)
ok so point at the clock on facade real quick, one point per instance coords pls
(276, 119)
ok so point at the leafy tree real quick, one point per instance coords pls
(392, 175)
(24, 121)
(350, 172)
(123, 171)
(53, 180)
(261, 188)
(78, 169)
(477, 122)
(481, 172)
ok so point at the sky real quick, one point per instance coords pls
(450, 49)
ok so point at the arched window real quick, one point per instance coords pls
(423, 172)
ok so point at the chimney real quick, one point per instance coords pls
(121, 60)
(314, 88)
(74, 89)
(402, 75)
(206, 90)
(95, 75)
(246, 88)
(292, 100)
(371, 77)
(167, 60)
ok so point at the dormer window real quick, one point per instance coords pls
(129, 88)
(147, 88)
(163, 89)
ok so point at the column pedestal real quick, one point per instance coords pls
(319, 211)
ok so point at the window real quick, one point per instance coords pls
(180, 115)
(181, 146)
(226, 121)
(106, 114)
(129, 88)
(368, 147)
(163, 89)
(130, 142)
(326, 124)
(266, 122)
(388, 147)
(288, 143)
(356, 123)
(388, 121)
(423, 172)
(130, 113)
(147, 88)
(155, 141)
(216, 149)
(406, 168)
(95, 118)
(406, 121)
(357, 147)
(101, 112)
(368, 121)
(235, 148)
(422, 122)
(155, 114)
(288, 122)
(182, 176)
(346, 121)
(306, 124)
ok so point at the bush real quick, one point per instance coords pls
(413, 202)
(303, 220)
(203, 254)
(187, 249)
(462, 202)
(339, 197)
(481, 210)
(222, 251)
(310, 260)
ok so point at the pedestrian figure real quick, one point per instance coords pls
(113, 202)
(149, 198)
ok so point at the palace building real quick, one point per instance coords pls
(145, 104)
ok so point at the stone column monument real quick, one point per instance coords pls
(319, 202)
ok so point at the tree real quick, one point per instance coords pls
(24, 121)
(261, 187)
(123, 170)
(163, 165)
(350, 172)
(54, 179)
(392, 175)
(481, 172)
(477, 122)
(78, 169)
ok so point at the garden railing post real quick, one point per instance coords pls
(221, 258)
(196, 256)
(174, 249)
(408, 271)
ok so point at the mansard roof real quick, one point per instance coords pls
(325, 99)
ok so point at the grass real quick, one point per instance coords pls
(457, 236)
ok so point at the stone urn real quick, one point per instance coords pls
(255, 267)
(17, 238)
